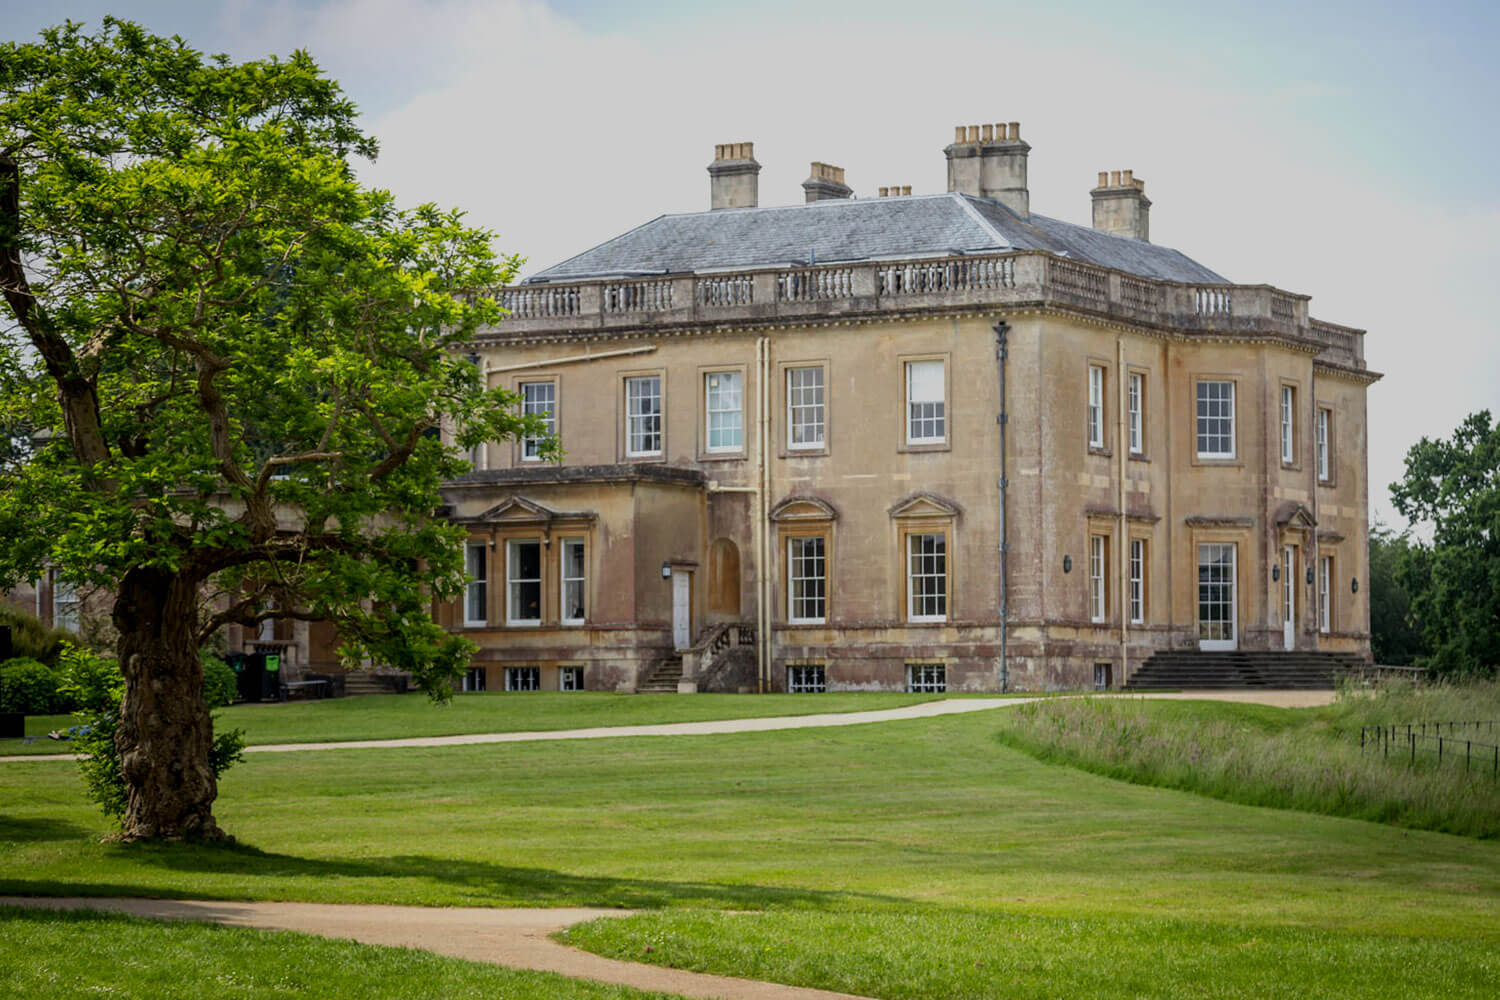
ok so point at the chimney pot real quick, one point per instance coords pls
(825, 181)
(1015, 131)
(1121, 206)
(884, 192)
(987, 133)
(973, 133)
(1103, 178)
(958, 133)
(734, 176)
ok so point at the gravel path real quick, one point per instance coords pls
(1280, 699)
(515, 938)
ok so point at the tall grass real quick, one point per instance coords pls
(1288, 759)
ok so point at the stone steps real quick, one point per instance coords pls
(663, 679)
(360, 682)
(1242, 670)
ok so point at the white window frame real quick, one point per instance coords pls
(1222, 634)
(1098, 567)
(564, 579)
(1096, 406)
(1135, 397)
(927, 420)
(640, 435)
(802, 413)
(912, 575)
(476, 588)
(545, 408)
(1325, 593)
(806, 678)
(1201, 417)
(927, 678)
(523, 678)
(713, 405)
(570, 678)
(1137, 581)
(797, 601)
(1288, 424)
(512, 547)
(1325, 466)
(65, 605)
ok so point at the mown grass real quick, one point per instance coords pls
(379, 717)
(1289, 759)
(848, 841)
(957, 955)
(62, 956)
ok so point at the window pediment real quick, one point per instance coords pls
(1294, 515)
(520, 510)
(804, 508)
(925, 505)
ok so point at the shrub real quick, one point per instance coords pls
(31, 638)
(30, 687)
(219, 683)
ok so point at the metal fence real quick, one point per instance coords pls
(1446, 742)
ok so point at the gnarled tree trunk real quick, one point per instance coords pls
(165, 733)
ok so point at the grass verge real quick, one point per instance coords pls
(957, 955)
(52, 956)
(1301, 759)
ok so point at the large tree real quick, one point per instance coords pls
(1452, 489)
(236, 361)
(1394, 637)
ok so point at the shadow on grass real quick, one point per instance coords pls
(484, 883)
(14, 829)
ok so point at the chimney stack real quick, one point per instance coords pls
(1121, 206)
(989, 161)
(734, 176)
(825, 181)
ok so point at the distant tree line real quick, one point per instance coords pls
(1435, 585)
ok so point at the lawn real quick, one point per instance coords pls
(227, 963)
(378, 717)
(904, 851)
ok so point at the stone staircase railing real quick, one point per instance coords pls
(698, 660)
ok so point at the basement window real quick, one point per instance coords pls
(806, 679)
(1103, 676)
(523, 678)
(926, 678)
(570, 678)
(474, 679)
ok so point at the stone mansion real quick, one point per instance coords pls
(913, 441)
(932, 442)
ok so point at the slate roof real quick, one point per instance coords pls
(844, 230)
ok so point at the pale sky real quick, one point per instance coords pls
(1343, 150)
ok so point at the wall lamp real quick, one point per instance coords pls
(666, 570)
(1354, 584)
(1275, 573)
(1309, 576)
(1067, 564)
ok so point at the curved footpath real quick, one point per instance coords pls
(515, 938)
(928, 709)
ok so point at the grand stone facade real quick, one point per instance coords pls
(910, 441)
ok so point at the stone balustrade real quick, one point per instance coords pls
(936, 285)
